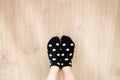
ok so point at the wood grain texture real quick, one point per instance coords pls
(27, 25)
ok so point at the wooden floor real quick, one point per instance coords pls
(27, 25)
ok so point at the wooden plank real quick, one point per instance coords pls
(27, 25)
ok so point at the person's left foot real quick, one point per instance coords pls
(67, 51)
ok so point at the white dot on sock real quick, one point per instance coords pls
(70, 63)
(50, 45)
(70, 54)
(62, 64)
(60, 49)
(54, 59)
(71, 44)
(50, 55)
(66, 59)
(63, 54)
(58, 63)
(57, 44)
(67, 49)
(58, 54)
(63, 44)
(53, 50)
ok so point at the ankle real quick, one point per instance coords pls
(54, 68)
(67, 68)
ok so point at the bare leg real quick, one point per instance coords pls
(68, 74)
(53, 73)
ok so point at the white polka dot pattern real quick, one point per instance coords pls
(62, 64)
(67, 49)
(58, 63)
(63, 54)
(63, 44)
(70, 54)
(50, 45)
(66, 59)
(53, 50)
(54, 59)
(71, 44)
(58, 54)
(57, 44)
(60, 49)
(50, 55)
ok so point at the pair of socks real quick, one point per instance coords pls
(60, 51)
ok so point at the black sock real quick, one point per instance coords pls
(53, 47)
(67, 51)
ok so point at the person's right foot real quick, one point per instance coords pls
(53, 47)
